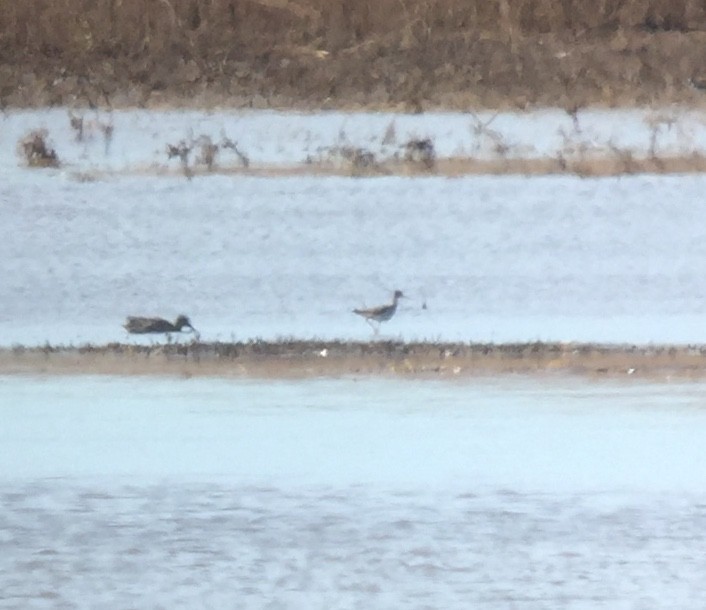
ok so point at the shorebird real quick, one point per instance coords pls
(142, 326)
(382, 313)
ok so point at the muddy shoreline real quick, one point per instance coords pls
(598, 165)
(314, 358)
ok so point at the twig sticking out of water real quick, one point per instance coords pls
(107, 129)
(481, 130)
(573, 112)
(76, 123)
(181, 151)
(226, 142)
(85, 129)
(657, 124)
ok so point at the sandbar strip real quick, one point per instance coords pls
(311, 359)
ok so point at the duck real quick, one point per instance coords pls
(138, 325)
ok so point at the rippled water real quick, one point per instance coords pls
(504, 258)
(351, 494)
(209, 546)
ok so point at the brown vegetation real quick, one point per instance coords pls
(405, 54)
(36, 151)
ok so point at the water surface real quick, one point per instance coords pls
(493, 258)
(351, 494)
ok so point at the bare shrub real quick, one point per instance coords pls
(208, 152)
(36, 150)
(85, 129)
(76, 123)
(361, 160)
(420, 151)
(229, 144)
(358, 161)
(484, 135)
(181, 151)
(574, 148)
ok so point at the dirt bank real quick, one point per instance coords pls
(391, 54)
(295, 359)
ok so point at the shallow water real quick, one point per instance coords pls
(493, 259)
(505, 258)
(351, 494)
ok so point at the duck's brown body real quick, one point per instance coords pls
(141, 326)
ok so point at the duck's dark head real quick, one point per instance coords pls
(183, 321)
(398, 295)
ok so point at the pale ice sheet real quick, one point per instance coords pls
(350, 494)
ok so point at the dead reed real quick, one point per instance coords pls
(207, 151)
(393, 53)
(132, 26)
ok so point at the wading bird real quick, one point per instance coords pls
(378, 315)
(142, 326)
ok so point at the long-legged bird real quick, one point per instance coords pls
(377, 315)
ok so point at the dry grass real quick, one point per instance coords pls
(405, 54)
(132, 26)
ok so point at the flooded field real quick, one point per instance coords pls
(338, 487)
